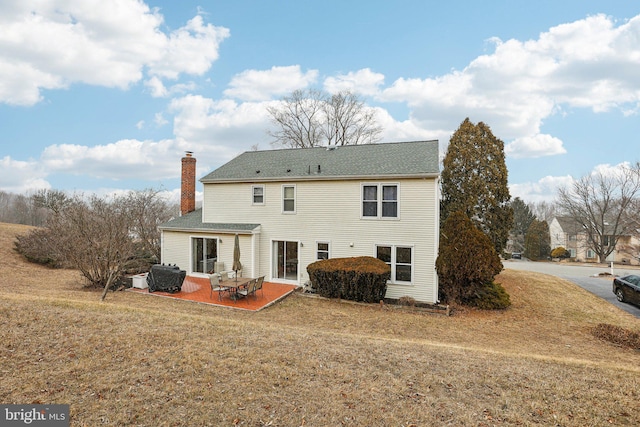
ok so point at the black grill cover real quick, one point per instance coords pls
(165, 278)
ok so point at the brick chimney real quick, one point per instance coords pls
(188, 186)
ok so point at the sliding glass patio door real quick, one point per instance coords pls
(204, 253)
(285, 260)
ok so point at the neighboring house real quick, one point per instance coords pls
(570, 234)
(292, 207)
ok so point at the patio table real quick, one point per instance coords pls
(234, 285)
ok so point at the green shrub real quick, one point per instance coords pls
(466, 261)
(491, 296)
(356, 279)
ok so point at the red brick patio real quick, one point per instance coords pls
(198, 289)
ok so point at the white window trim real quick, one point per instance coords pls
(295, 199)
(199, 236)
(272, 256)
(253, 200)
(393, 261)
(328, 243)
(380, 185)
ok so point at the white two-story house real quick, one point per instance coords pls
(292, 207)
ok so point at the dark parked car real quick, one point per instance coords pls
(627, 289)
(516, 255)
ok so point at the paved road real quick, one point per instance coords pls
(584, 276)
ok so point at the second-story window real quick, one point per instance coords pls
(380, 201)
(258, 194)
(389, 201)
(289, 198)
(370, 200)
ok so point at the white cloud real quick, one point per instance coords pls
(219, 129)
(159, 119)
(612, 171)
(407, 130)
(22, 176)
(124, 159)
(157, 88)
(190, 49)
(534, 146)
(364, 81)
(262, 85)
(98, 43)
(589, 63)
(545, 189)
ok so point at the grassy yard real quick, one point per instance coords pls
(135, 360)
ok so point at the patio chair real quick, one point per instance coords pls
(259, 282)
(249, 289)
(216, 287)
(224, 276)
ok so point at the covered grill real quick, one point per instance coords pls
(165, 278)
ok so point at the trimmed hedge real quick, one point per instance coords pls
(560, 252)
(356, 279)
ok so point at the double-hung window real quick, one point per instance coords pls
(400, 259)
(322, 250)
(258, 194)
(380, 200)
(289, 198)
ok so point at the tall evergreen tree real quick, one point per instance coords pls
(537, 241)
(474, 181)
(466, 259)
(522, 219)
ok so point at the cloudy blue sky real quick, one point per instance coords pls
(103, 96)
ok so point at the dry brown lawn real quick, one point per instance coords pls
(135, 360)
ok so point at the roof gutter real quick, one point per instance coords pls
(212, 230)
(434, 175)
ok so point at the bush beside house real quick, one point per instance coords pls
(560, 253)
(356, 279)
(467, 264)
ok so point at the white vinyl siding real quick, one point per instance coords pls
(177, 248)
(332, 211)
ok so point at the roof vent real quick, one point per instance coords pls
(258, 171)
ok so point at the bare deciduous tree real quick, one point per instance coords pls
(21, 209)
(314, 118)
(146, 211)
(599, 202)
(543, 210)
(102, 238)
(349, 121)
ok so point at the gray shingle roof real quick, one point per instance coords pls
(193, 222)
(400, 159)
